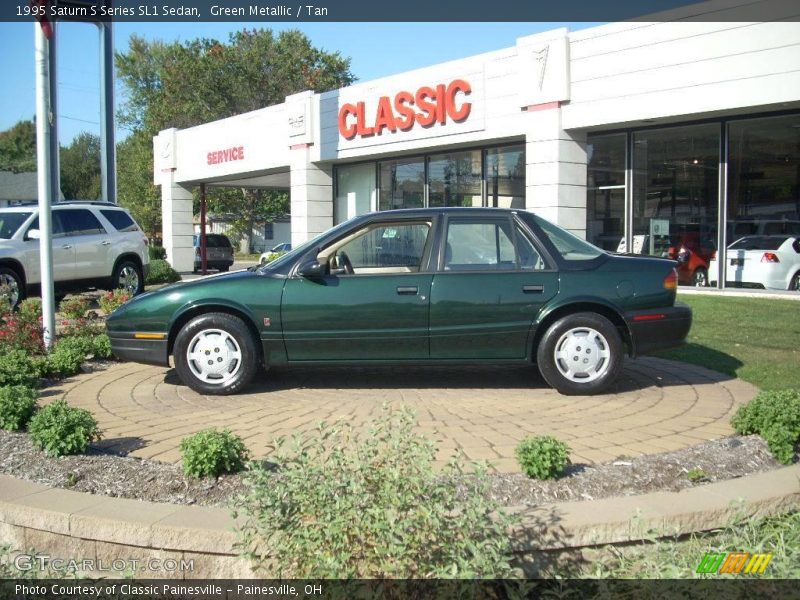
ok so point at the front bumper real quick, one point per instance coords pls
(658, 328)
(150, 352)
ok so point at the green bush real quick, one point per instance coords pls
(211, 452)
(345, 505)
(542, 457)
(18, 367)
(74, 307)
(157, 252)
(17, 404)
(111, 301)
(272, 256)
(60, 429)
(775, 416)
(101, 346)
(161, 272)
(67, 356)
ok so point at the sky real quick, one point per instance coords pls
(376, 50)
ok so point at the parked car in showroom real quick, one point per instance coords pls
(95, 244)
(271, 254)
(219, 252)
(415, 286)
(765, 261)
(693, 251)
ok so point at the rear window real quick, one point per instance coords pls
(569, 246)
(120, 220)
(759, 242)
(213, 241)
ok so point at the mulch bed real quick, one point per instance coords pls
(127, 477)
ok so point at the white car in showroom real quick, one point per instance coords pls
(95, 244)
(768, 261)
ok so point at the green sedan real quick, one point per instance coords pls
(447, 286)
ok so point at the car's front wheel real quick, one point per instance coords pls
(581, 353)
(215, 353)
(128, 276)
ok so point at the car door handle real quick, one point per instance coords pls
(407, 291)
(533, 289)
(67, 246)
(105, 243)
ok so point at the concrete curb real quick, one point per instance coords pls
(79, 525)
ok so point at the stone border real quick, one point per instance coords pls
(84, 526)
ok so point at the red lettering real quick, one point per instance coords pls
(348, 131)
(361, 127)
(458, 114)
(441, 115)
(209, 158)
(401, 105)
(241, 152)
(219, 156)
(427, 116)
(384, 118)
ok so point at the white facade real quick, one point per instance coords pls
(548, 91)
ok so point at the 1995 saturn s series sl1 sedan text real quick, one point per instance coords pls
(447, 285)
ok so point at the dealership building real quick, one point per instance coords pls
(638, 136)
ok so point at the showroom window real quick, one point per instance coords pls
(355, 191)
(402, 183)
(454, 179)
(505, 176)
(605, 191)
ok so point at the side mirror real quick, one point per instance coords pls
(34, 234)
(311, 269)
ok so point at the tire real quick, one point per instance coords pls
(128, 276)
(794, 285)
(569, 337)
(230, 346)
(700, 277)
(223, 269)
(16, 289)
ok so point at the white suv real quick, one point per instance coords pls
(95, 244)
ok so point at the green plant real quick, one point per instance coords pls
(22, 330)
(17, 404)
(696, 475)
(157, 252)
(775, 416)
(161, 272)
(101, 346)
(111, 301)
(211, 452)
(74, 307)
(18, 367)
(542, 457)
(272, 256)
(60, 429)
(347, 505)
(66, 357)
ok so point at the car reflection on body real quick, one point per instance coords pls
(416, 286)
(766, 261)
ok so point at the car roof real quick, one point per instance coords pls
(31, 206)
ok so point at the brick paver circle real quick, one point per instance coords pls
(657, 405)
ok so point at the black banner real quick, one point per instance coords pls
(403, 11)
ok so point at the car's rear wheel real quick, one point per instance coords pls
(215, 353)
(128, 276)
(11, 288)
(795, 284)
(581, 353)
(700, 277)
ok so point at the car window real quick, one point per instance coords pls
(10, 222)
(529, 257)
(474, 245)
(121, 220)
(58, 227)
(759, 242)
(79, 221)
(388, 247)
(569, 246)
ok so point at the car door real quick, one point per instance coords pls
(491, 281)
(63, 252)
(91, 241)
(371, 302)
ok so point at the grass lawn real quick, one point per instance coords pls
(755, 339)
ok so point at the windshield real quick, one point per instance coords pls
(569, 246)
(10, 222)
(759, 242)
(293, 254)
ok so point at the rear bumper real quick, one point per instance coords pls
(213, 264)
(150, 352)
(658, 328)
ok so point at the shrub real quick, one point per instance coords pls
(111, 301)
(74, 307)
(211, 452)
(101, 346)
(22, 330)
(775, 416)
(696, 475)
(157, 252)
(17, 404)
(272, 256)
(542, 457)
(60, 429)
(161, 272)
(18, 367)
(344, 505)
(66, 357)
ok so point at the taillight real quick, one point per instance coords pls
(671, 280)
(770, 257)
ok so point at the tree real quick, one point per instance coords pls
(80, 168)
(135, 189)
(185, 84)
(18, 148)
